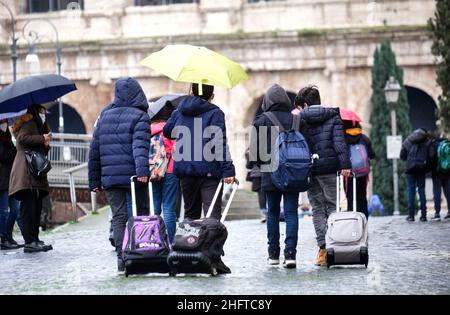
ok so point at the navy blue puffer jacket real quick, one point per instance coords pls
(324, 132)
(121, 140)
(188, 124)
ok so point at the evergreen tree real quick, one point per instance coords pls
(385, 66)
(440, 32)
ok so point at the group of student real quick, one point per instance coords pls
(426, 152)
(122, 140)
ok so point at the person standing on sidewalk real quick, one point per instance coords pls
(199, 126)
(440, 172)
(119, 150)
(418, 153)
(32, 133)
(164, 182)
(7, 218)
(324, 132)
(355, 137)
(277, 102)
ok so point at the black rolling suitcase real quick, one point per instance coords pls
(198, 244)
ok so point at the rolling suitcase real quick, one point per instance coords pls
(145, 244)
(198, 244)
(347, 235)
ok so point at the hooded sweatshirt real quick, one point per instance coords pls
(277, 102)
(324, 132)
(418, 136)
(197, 125)
(121, 140)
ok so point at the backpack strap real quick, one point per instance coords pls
(275, 120)
(296, 122)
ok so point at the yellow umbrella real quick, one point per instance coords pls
(194, 64)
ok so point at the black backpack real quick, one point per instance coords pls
(418, 158)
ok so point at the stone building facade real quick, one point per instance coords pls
(329, 43)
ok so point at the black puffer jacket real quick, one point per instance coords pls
(7, 155)
(418, 136)
(324, 132)
(277, 102)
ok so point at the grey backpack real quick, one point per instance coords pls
(347, 238)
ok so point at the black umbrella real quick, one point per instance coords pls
(36, 89)
(156, 106)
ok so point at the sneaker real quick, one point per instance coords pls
(437, 217)
(120, 267)
(274, 258)
(289, 260)
(33, 248)
(321, 257)
(410, 218)
(447, 217)
(423, 219)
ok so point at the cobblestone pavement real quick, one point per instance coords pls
(405, 258)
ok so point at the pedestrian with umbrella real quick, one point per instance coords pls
(28, 181)
(199, 174)
(361, 152)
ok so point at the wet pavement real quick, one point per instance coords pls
(405, 258)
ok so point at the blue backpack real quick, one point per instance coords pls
(293, 158)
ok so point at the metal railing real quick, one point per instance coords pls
(69, 151)
(69, 156)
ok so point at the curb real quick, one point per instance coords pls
(85, 217)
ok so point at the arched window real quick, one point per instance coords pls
(73, 123)
(42, 6)
(422, 109)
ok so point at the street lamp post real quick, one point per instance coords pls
(32, 56)
(14, 41)
(392, 93)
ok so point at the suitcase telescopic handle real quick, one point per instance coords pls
(338, 191)
(133, 180)
(216, 195)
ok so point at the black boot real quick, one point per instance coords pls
(45, 246)
(34, 247)
(7, 245)
(12, 241)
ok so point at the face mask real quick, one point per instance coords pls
(3, 127)
(42, 118)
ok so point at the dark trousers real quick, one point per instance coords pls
(361, 194)
(198, 193)
(440, 183)
(117, 199)
(412, 182)
(30, 212)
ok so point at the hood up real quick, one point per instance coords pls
(418, 136)
(275, 95)
(129, 93)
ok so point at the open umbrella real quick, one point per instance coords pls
(36, 89)
(194, 64)
(349, 115)
(156, 106)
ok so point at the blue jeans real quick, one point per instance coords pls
(165, 201)
(412, 181)
(8, 218)
(273, 221)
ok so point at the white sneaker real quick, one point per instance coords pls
(290, 264)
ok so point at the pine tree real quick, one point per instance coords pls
(440, 32)
(385, 66)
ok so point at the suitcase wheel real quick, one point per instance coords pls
(364, 253)
(330, 257)
(172, 272)
(214, 271)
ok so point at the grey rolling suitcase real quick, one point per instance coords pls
(347, 238)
